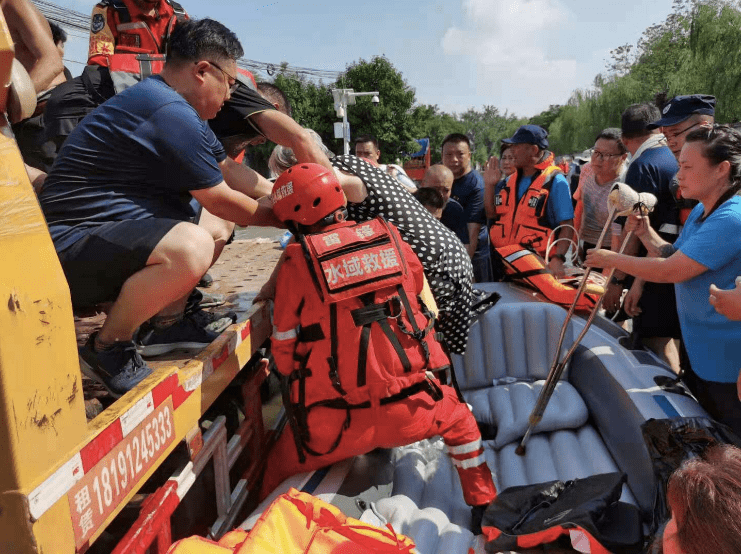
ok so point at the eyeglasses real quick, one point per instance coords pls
(232, 88)
(597, 155)
(674, 136)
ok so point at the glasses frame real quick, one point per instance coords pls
(597, 155)
(674, 136)
(232, 88)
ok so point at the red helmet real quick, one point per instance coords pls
(306, 193)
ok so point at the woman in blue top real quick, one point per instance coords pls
(708, 251)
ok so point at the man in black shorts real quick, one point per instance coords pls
(117, 203)
(653, 306)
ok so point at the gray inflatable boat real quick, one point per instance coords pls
(591, 426)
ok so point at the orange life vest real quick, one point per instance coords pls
(131, 44)
(523, 265)
(365, 338)
(524, 222)
(298, 523)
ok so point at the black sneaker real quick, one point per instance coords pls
(186, 333)
(214, 322)
(199, 300)
(118, 369)
(206, 281)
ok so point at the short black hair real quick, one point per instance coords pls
(199, 39)
(636, 118)
(367, 138)
(613, 133)
(57, 33)
(455, 138)
(275, 95)
(430, 197)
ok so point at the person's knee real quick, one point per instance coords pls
(187, 249)
(219, 229)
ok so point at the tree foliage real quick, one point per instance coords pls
(697, 49)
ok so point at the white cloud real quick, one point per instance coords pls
(509, 44)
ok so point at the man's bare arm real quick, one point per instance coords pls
(231, 205)
(243, 179)
(473, 238)
(35, 47)
(281, 129)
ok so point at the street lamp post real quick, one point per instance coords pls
(344, 97)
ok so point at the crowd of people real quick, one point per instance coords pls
(139, 213)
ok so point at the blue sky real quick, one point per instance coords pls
(518, 55)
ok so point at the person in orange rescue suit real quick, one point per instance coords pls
(131, 27)
(128, 42)
(534, 200)
(355, 345)
(130, 37)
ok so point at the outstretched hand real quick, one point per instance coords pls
(599, 258)
(727, 302)
(492, 171)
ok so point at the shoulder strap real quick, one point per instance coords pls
(121, 9)
(550, 174)
(178, 10)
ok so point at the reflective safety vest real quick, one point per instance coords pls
(131, 44)
(522, 265)
(365, 338)
(524, 222)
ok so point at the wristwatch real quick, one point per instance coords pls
(616, 281)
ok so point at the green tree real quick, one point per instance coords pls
(395, 121)
(545, 118)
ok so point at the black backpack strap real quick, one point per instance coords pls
(417, 334)
(334, 374)
(297, 412)
(366, 299)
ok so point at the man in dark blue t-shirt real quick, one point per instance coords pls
(117, 203)
(468, 190)
(653, 306)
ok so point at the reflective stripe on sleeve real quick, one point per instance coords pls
(468, 463)
(284, 335)
(466, 448)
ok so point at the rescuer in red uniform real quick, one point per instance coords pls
(355, 345)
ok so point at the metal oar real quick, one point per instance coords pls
(645, 203)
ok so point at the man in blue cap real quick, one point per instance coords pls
(679, 116)
(534, 200)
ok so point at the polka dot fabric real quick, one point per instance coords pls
(444, 258)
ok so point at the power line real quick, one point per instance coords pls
(78, 24)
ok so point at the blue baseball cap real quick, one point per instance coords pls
(529, 134)
(680, 108)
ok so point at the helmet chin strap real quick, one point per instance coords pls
(336, 217)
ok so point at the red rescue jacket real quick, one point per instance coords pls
(129, 42)
(349, 329)
(524, 222)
